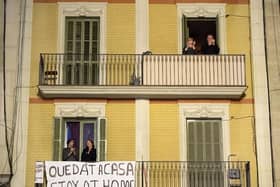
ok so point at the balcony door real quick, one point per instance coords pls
(205, 153)
(198, 28)
(82, 46)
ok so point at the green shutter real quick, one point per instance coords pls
(82, 37)
(185, 30)
(102, 140)
(204, 140)
(58, 139)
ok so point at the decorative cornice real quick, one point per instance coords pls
(205, 110)
(79, 109)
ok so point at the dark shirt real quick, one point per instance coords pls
(211, 49)
(67, 155)
(188, 51)
(89, 156)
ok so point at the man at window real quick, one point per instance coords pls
(211, 48)
(189, 49)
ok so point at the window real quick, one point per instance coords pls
(198, 28)
(82, 43)
(204, 140)
(80, 130)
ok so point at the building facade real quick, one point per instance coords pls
(92, 75)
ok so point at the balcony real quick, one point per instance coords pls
(186, 174)
(142, 76)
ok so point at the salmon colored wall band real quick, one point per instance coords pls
(151, 1)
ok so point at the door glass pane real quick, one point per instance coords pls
(73, 132)
(88, 133)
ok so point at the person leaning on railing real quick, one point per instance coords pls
(69, 153)
(190, 49)
(89, 153)
(211, 48)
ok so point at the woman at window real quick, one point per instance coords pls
(69, 153)
(89, 153)
(211, 48)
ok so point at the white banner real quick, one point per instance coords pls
(96, 174)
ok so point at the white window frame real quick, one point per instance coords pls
(208, 10)
(84, 110)
(88, 9)
(204, 110)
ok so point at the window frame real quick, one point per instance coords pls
(204, 121)
(207, 10)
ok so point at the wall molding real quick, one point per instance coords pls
(79, 109)
(210, 10)
(90, 9)
(204, 110)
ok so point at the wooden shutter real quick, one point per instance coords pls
(204, 140)
(58, 139)
(102, 140)
(217, 30)
(185, 30)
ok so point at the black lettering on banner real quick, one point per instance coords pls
(52, 174)
(100, 170)
(91, 166)
(132, 182)
(53, 184)
(106, 184)
(125, 183)
(60, 171)
(130, 170)
(121, 169)
(115, 182)
(86, 184)
(69, 184)
(75, 183)
(75, 169)
(114, 169)
(67, 170)
(93, 182)
(105, 167)
(84, 169)
(61, 182)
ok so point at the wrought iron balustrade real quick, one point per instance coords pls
(142, 70)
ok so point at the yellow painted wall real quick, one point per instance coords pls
(163, 34)
(121, 28)
(121, 130)
(164, 131)
(40, 137)
(44, 38)
(242, 136)
(238, 37)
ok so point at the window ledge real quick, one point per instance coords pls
(148, 92)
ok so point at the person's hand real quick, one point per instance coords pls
(213, 42)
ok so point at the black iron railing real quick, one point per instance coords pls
(142, 70)
(193, 174)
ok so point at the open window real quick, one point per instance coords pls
(80, 129)
(198, 28)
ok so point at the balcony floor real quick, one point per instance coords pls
(144, 92)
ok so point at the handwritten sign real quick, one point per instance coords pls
(39, 172)
(97, 174)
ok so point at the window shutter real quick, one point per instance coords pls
(102, 140)
(185, 30)
(58, 139)
(217, 30)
